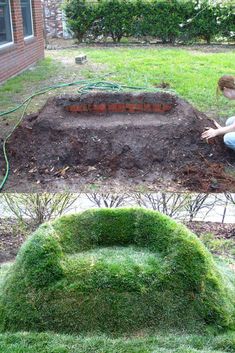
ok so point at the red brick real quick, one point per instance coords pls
(148, 108)
(99, 108)
(113, 108)
(74, 108)
(23, 54)
(134, 107)
(119, 108)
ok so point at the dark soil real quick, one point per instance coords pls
(219, 230)
(60, 43)
(144, 149)
(9, 241)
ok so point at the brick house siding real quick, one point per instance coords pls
(23, 52)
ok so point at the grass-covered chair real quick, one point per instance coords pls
(114, 271)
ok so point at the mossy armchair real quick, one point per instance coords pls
(114, 271)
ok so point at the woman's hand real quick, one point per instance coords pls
(209, 133)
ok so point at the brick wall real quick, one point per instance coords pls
(23, 52)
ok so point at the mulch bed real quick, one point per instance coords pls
(11, 239)
(225, 231)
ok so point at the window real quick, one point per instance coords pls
(5, 23)
(26, 9)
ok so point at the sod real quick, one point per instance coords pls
(115, 271)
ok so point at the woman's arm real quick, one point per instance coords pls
(210, 132)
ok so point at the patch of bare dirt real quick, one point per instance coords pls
(219, 230)
(60, 43)
(9, 241)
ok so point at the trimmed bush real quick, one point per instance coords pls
(169, 21)
(114, 271)
(205, 22)
(159, 19)
(81, 16)
(227, 22)
(115, 18)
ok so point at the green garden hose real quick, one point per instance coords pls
(85, 87)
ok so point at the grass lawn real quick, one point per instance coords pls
(24, 342)
(3, 270)
(192, 74)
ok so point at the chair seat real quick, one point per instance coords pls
(120, 268)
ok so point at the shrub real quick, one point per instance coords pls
(115, 18)
(227, 22)
(205, 22)
(80, 15)
(114, 271)
(160, 19)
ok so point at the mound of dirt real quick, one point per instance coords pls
(142, 137)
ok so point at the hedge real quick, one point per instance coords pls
(168, 21)
(115, 271)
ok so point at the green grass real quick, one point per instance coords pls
(30, 80)
(116, 271)
(219, 246)
(44, 70)
(192, 74)
(24, 342)
(4, 269)
(17, 89)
